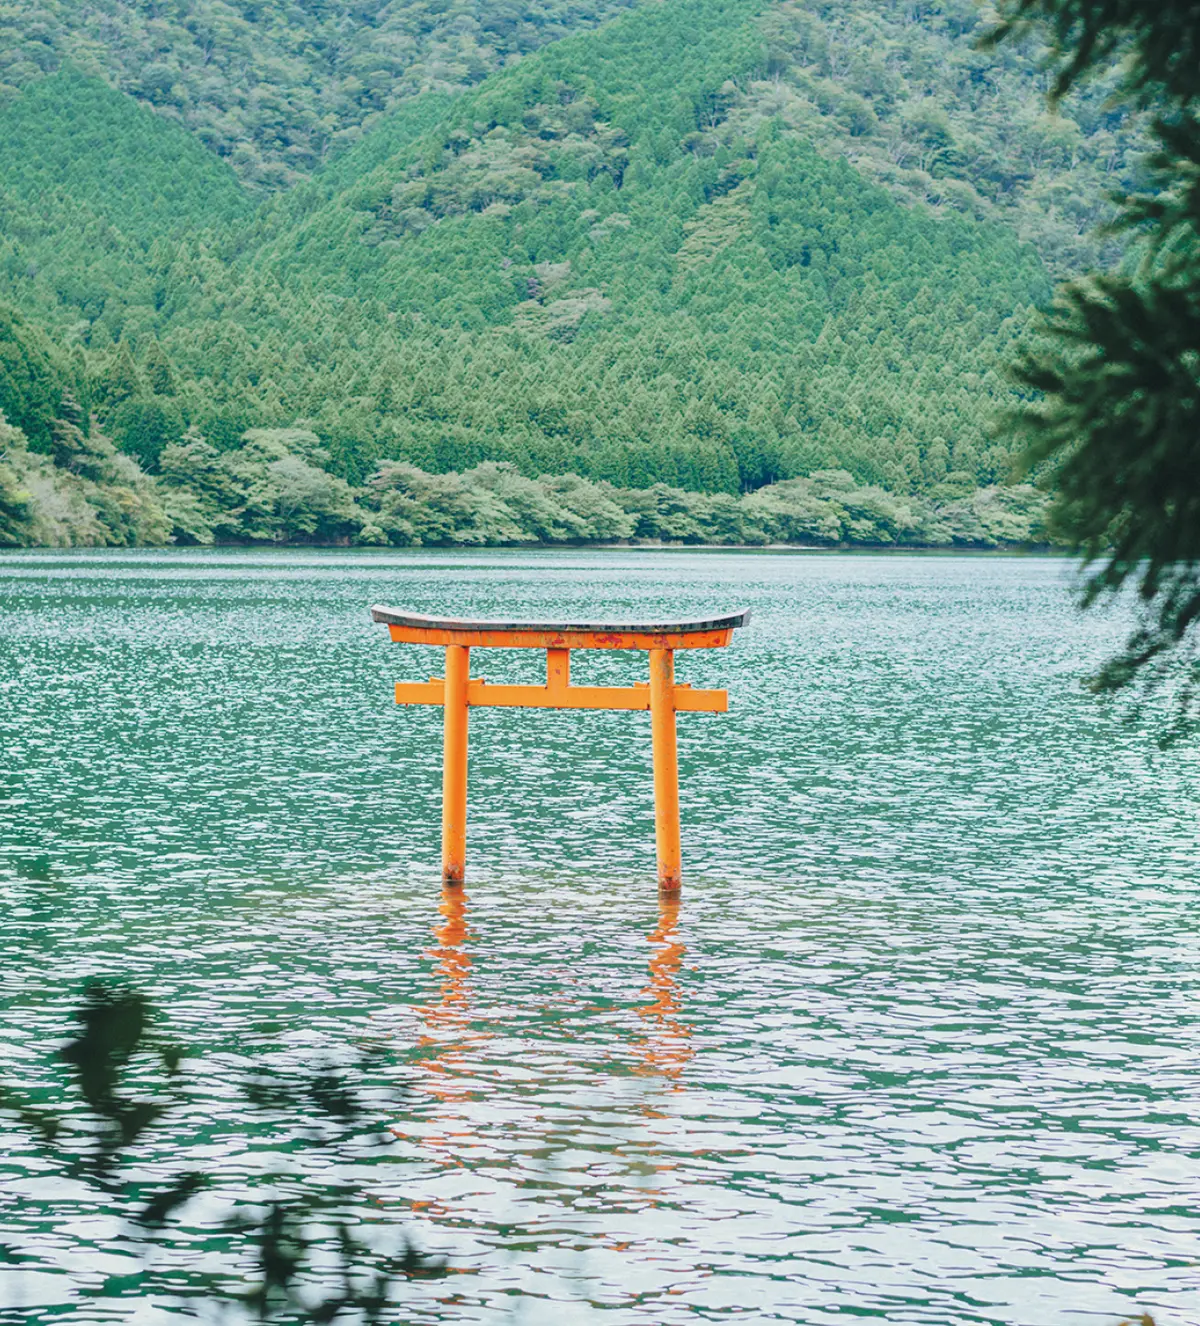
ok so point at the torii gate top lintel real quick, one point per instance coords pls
(702, 633)
(457, 692)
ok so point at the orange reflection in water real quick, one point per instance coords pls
(449, 1067)
(446, 1040)
(667, 1048)
(448, 1022)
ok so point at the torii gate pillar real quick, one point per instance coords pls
(454, 765)
(457, 693)
(666, 767)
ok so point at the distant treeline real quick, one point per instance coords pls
(65, 482)
(274, 489)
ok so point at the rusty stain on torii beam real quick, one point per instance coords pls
(663, 696)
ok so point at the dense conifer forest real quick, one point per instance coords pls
(708, 270)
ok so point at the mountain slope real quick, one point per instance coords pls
(619, 258)
(96, 194)
(597, 263)
(72, 134)
(903, 90)
(280, 90)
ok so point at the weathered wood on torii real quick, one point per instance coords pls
(662, 695)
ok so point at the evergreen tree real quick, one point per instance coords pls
(1119, 427)
(33, 379)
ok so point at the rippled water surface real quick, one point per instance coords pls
(918, 1042)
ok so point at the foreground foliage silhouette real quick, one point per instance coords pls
(1117, 433)
(284, 1237)
(117, 1043)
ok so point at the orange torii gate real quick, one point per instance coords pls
(458, 691)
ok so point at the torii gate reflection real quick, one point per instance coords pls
(664, 1050)
(667, 1047)
(447, 1037)
(451, 1042)
(448, 1021)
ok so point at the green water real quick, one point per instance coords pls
(919, 1043)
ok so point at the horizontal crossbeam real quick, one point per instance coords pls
(483, 695)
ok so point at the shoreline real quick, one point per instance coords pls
(643, 545)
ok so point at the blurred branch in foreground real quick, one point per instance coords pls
(1114, 427)
(308, 1264)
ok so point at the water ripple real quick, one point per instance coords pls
(919, 1041)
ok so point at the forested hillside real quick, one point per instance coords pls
(898, 86)
(97, 196)
(643, 256)
(901, 88)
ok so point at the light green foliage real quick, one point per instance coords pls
(275, 87)
(16, 501)
(280, 90)
(149, 176)
(101, 202)
(905, 92)
(716, 225)
(415, 508)
(84, 494)
(62, 482)
(34, 379)
(271, 489)
(494, 504)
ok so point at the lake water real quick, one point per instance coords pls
(918, 1042)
